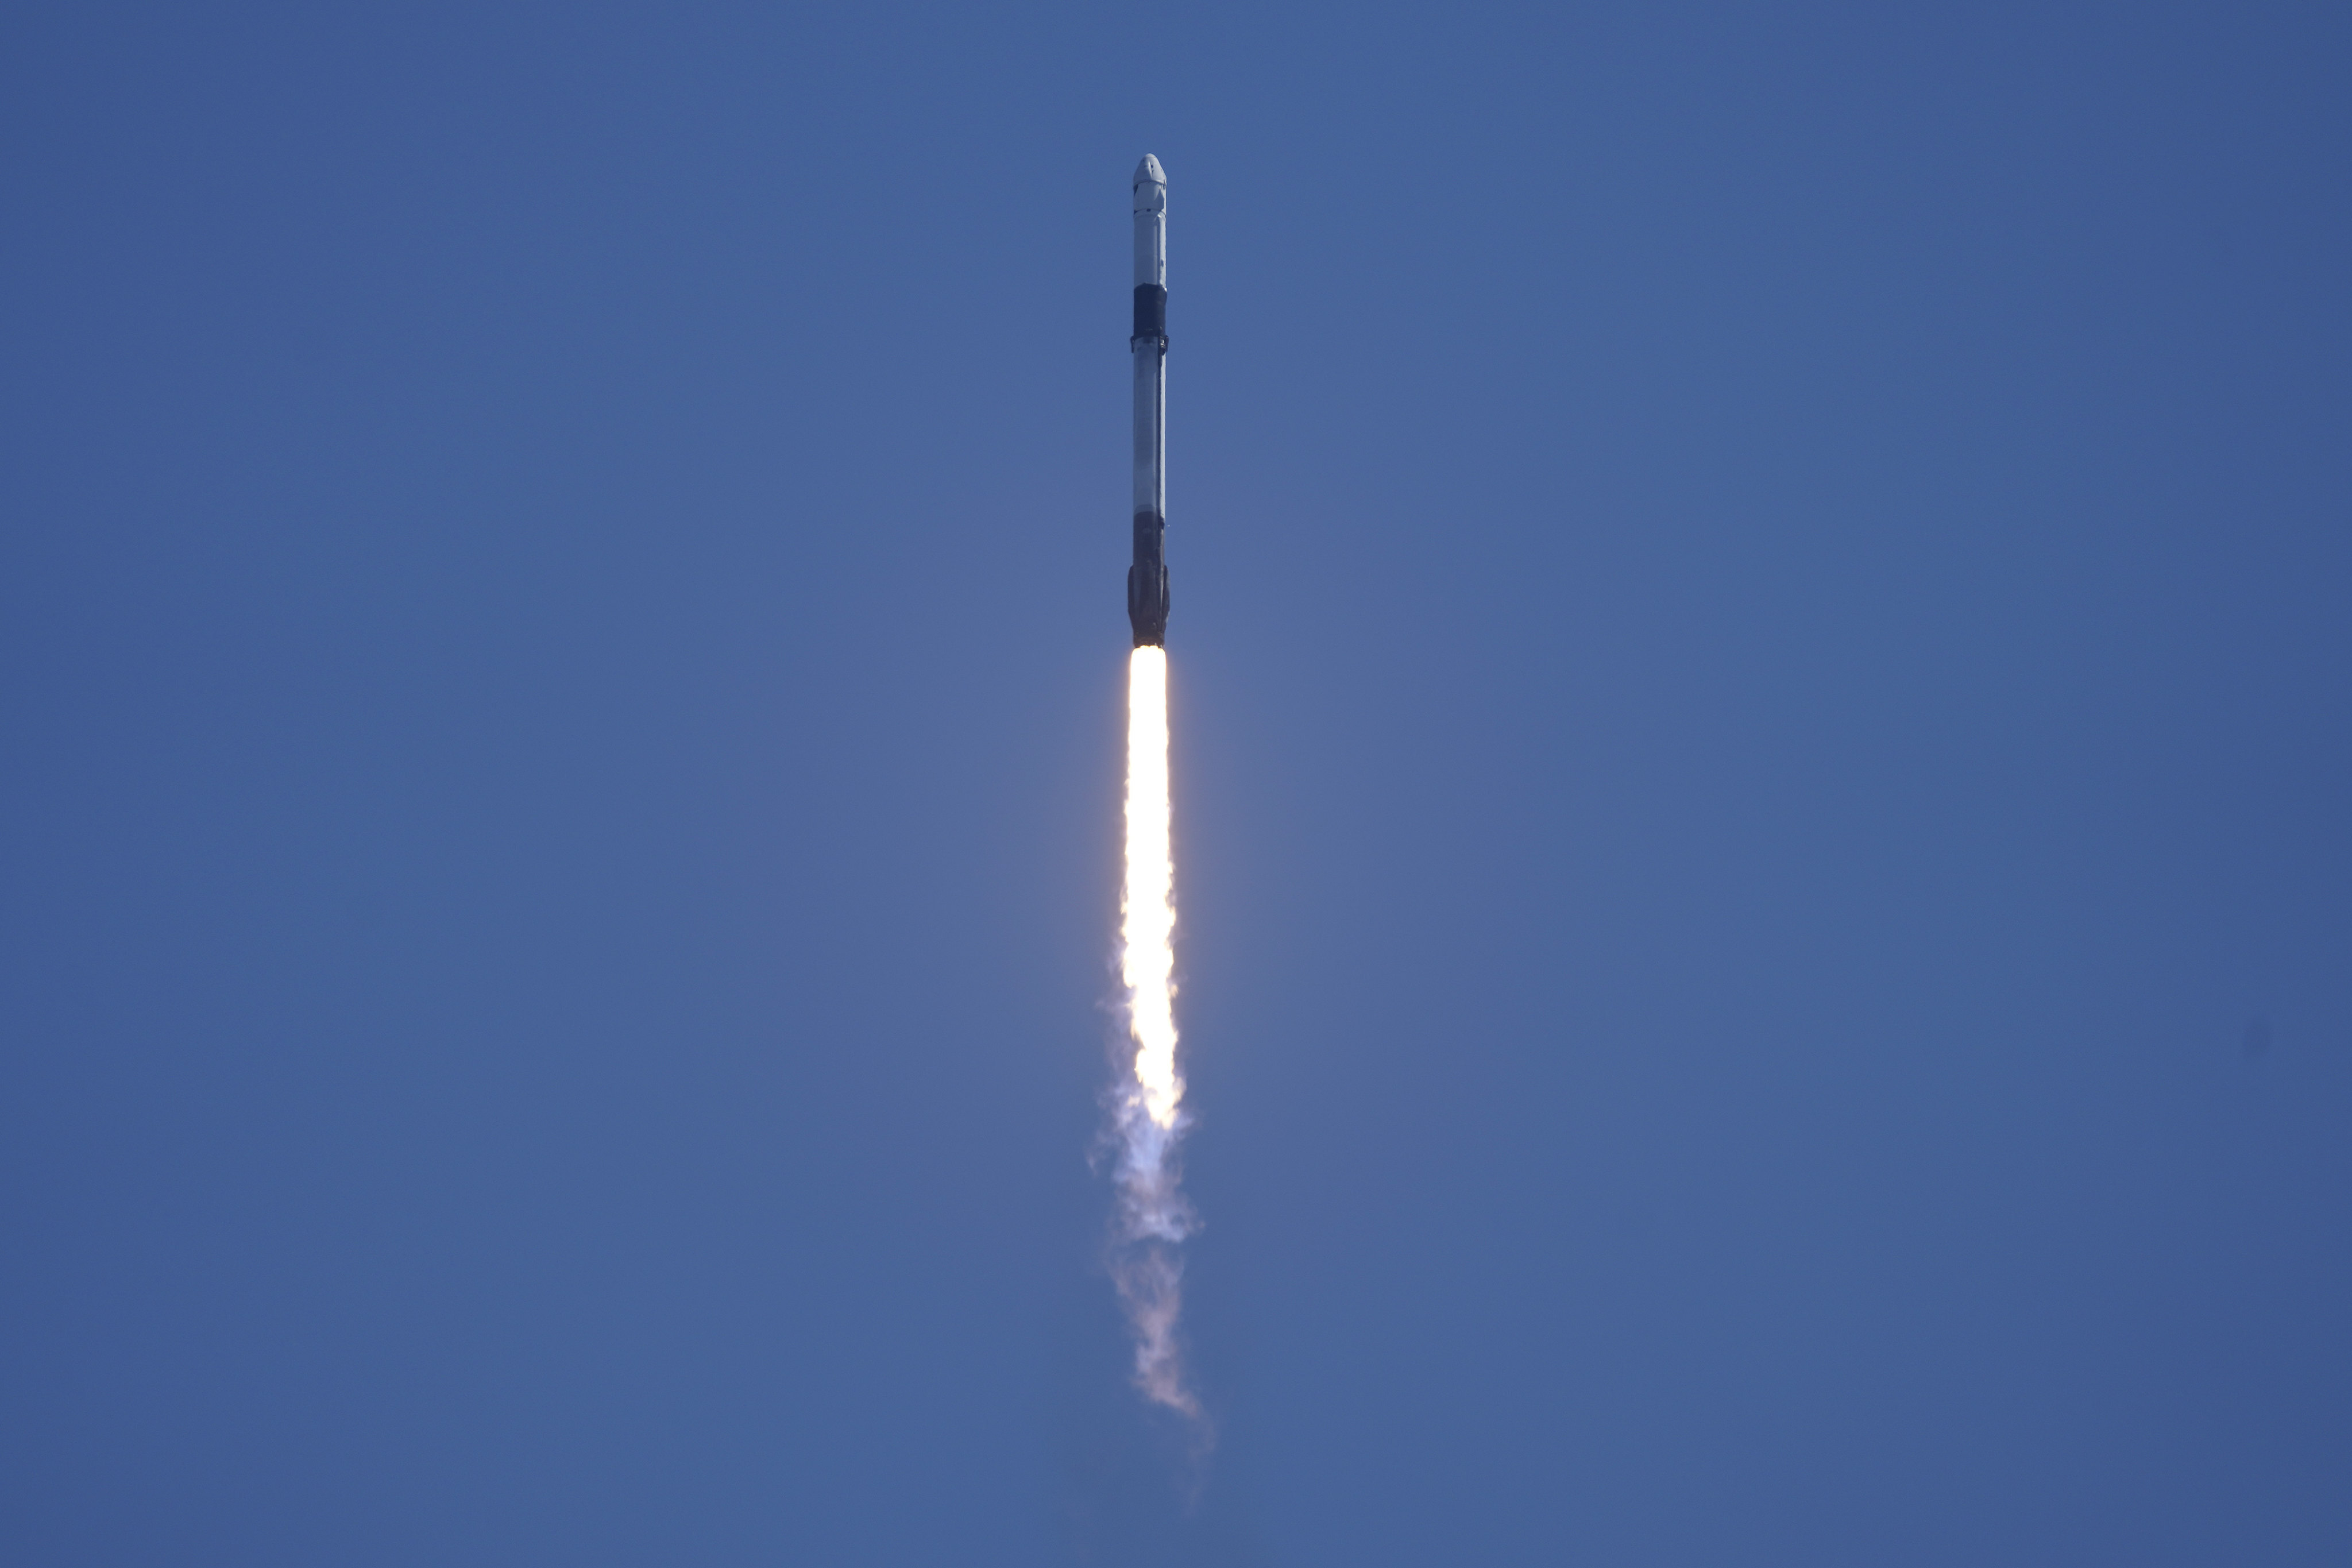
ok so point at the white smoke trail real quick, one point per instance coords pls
(1147, 1106)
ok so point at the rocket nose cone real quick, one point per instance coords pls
(1150, 186)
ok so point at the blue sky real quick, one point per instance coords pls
(1759, 656)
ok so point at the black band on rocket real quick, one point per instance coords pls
(1150, 313)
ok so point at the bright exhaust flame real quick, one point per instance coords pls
(1147, 910)
(1148, 1104)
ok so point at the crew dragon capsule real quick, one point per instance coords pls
(1147, 580)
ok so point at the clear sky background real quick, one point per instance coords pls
(1762, 647)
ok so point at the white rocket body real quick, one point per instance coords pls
(1147, 579)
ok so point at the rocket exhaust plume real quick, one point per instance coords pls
(1147, 906)
(1147, 1104)
(1153, 1217)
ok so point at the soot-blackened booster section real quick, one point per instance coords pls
(1147, 580)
